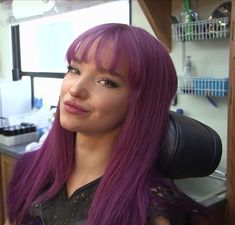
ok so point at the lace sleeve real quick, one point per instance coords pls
(168, 206)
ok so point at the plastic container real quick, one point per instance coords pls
(19, 139)
(211, 86)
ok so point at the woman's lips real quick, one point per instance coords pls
(74, 108)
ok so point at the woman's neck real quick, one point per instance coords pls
(92, 155)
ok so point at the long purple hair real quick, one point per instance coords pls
(123, 195)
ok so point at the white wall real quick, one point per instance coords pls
(5, 48)
(209, 58)
(139, 19)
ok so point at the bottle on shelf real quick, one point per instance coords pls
(187, 16)
(187, 72)
(187, 85)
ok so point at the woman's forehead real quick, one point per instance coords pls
(89, 50)
(105, 56)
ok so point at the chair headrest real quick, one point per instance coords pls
(190, 148)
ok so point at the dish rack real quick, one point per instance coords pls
(201, 30)
(203, 86)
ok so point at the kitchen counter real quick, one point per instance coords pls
(208, 190)
(13, 151)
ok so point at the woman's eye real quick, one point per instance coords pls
(73, 70)
(109, 83)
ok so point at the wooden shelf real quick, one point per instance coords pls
(158, 14)
(231, 127)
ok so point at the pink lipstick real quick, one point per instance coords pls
(74, 108)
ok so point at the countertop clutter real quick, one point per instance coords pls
(18, 134)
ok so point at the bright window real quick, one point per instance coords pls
(44, 41)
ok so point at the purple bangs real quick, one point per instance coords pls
(105, 37)
(134, 44)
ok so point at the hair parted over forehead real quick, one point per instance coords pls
(80, 49)
(139, 50)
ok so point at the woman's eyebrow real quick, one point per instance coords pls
(100, 69)
(113, 73)
(103, 70)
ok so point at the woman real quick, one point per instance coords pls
(98, 163)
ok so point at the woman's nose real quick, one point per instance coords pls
(80, 89)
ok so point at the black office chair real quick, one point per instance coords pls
(190, 148)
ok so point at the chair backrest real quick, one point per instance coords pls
(190, 148)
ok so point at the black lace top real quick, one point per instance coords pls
(73, 210)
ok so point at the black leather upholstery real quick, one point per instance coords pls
(190, 148)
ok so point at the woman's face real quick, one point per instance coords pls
(93, 101)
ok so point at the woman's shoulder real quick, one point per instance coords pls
(160, 220)
(7, 223)
(169, 206)
(22, 166)
(24, 160)
(157, 213)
